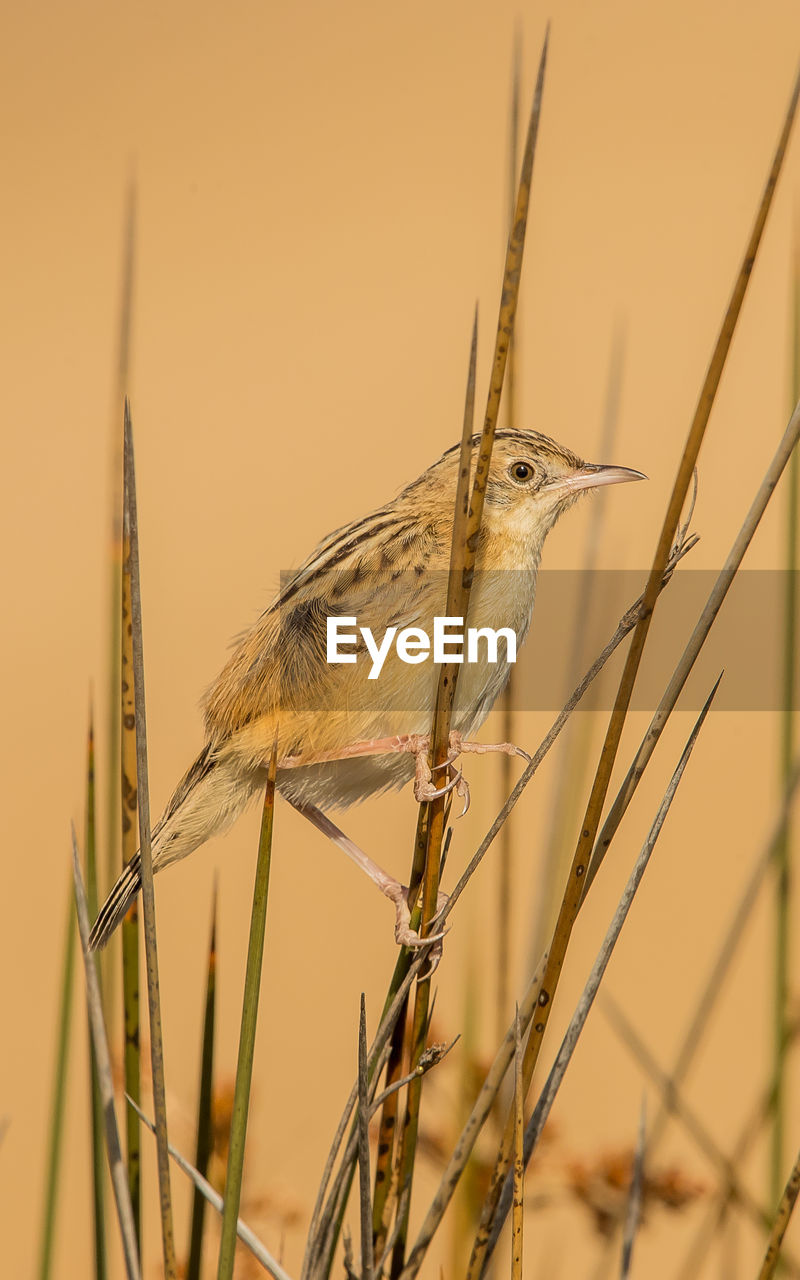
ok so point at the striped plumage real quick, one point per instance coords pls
(387, 569)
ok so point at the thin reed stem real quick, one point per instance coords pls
(541, 1112)
(58, 1105)
(785, 1209)
(244, 1233)
(247, 1035)
(518, 1198)
(131, 522)
(506, 852)
(583, 851)
(128, 811)
(122, 382)
(634, 1208)
(205, 1104)
(783, 926)
(692, 1121)
(95, 1005)
(462, 566)
(96, 1101)
(365, 1216)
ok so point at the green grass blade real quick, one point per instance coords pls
(247, 1035)
(98, 1155)
(205, 1127)
(94, 1001)
(148, 900)
(59, 1100)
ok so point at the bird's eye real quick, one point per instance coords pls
(521, 471)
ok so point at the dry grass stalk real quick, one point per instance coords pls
(103, 1058)
(725, 1197)
(697, 639)
(541, 1112)
(583, 852)
(480, 1112)
(148, 899)
(131, 1013)
(634, 1212)
(122, 383)
(725, 1166)
(243, 1232)
(518, 1198)
(783, 914)
(367, 1259)
(505, 852)
(462, 564)
(714, 984)
(782, 1217)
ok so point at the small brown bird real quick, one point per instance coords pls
(351, 715)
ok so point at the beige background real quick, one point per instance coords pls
(321, 200)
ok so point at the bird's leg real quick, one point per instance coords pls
(393, 890)
(418, 745)
(479, 749)
(423, 781)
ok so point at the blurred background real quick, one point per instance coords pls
(321, 198)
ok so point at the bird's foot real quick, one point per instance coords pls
(419, 746)
(404, 935)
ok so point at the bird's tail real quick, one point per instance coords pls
(206, 801)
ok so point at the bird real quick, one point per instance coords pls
(340, 735)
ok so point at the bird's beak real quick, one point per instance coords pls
(592, 476)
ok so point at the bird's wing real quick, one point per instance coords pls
(385, 571)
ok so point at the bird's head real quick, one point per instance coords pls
(533, 480)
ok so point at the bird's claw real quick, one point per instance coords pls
(424, 790)
(462, 789)
(404, 935)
